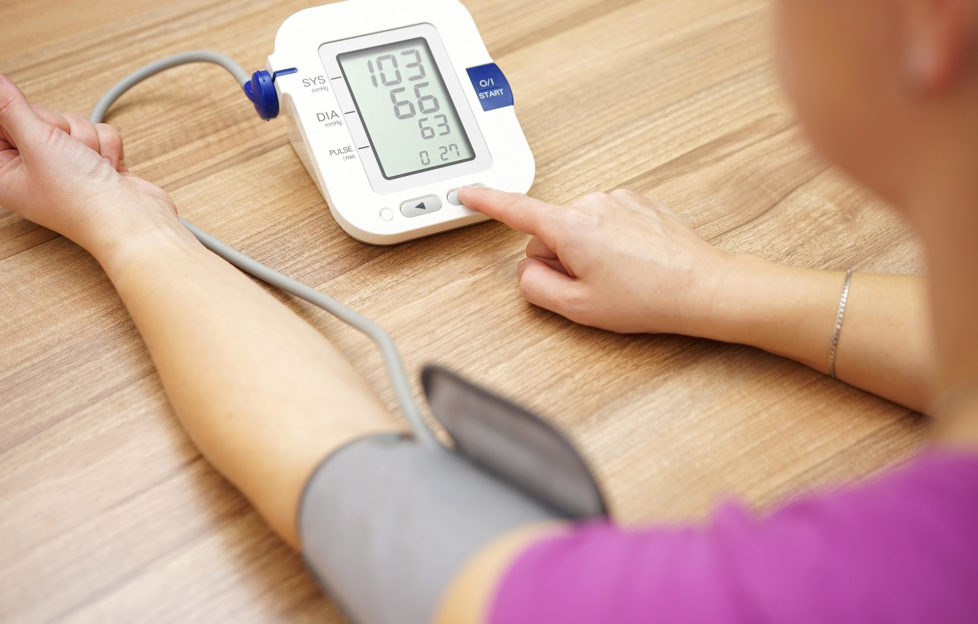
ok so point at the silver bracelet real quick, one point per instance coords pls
(838, 322)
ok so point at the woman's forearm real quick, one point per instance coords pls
(262, 393)
(626, 263)
(885, 344)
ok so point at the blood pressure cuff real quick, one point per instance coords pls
(386, 522)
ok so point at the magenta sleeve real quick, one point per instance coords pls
(899, 548)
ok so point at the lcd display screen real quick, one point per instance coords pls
(407, 112)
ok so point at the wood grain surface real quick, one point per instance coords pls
(108, 513)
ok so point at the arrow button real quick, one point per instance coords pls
(421, 206)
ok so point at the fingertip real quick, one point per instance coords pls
(84, 131)
(110, 144)
(50, 117)
(470, 196)
(11, 97)
(16, 115)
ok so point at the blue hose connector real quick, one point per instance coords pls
(261, 92)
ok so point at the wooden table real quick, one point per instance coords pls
(108, 513)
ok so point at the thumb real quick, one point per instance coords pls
(18, 118)
(548, 288)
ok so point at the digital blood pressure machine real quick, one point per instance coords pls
(392, 107)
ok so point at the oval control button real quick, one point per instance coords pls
(453, 197)
(422, 206)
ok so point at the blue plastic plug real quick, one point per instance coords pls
(261, 92)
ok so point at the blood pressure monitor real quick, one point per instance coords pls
(393, 105)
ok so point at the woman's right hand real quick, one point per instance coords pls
(617, 261)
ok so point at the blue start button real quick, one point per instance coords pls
(491, 86)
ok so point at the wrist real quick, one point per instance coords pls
(137, 236)
(739, 287)
(782, 309)
(127, 208)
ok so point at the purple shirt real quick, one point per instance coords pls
(900, 548)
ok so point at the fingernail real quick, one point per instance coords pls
(521, 267)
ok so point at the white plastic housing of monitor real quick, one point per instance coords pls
(327, 138)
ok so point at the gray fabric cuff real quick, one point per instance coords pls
(385, 523)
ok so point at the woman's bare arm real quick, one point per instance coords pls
(263, 395)
(627, 263)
